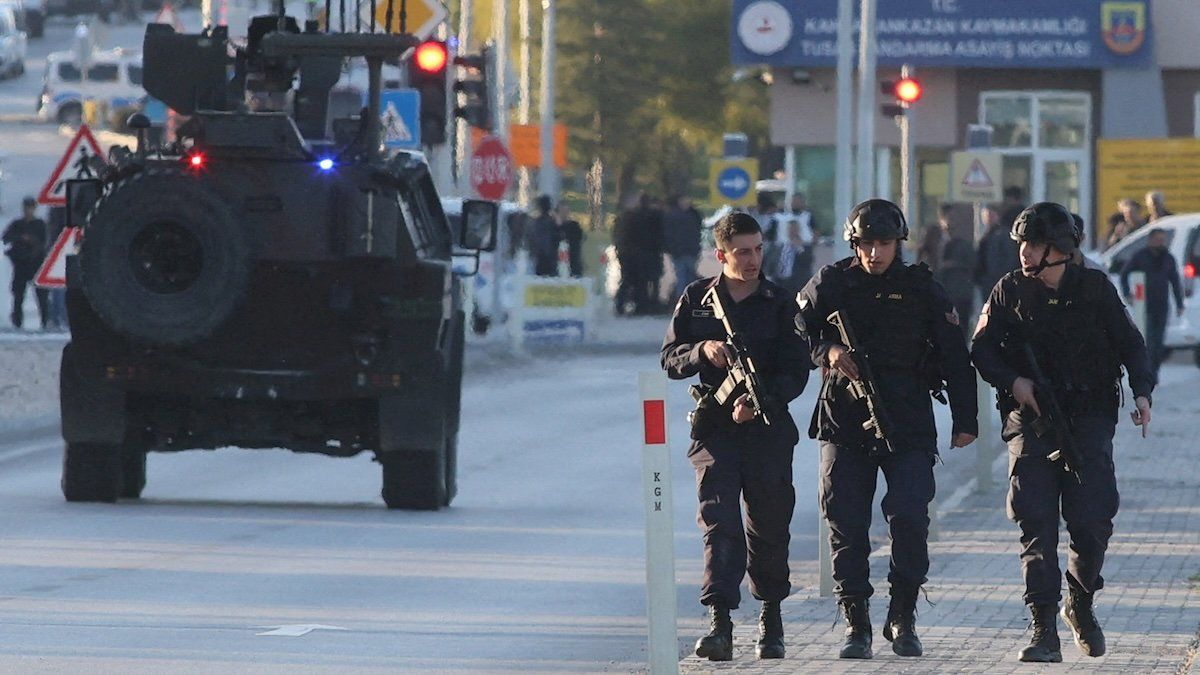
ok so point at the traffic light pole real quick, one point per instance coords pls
(548, 172)
(866, 101)
(907, 161)
(844, 169)
(462, 135)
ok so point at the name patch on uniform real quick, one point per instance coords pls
(702, 313)
(895, 296)
(1052, 301)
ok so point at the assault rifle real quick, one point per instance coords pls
(1052, 420)
(743, 373)
(865, 388)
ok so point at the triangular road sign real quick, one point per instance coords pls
(977, 177)
(421, 18)
(52, 193)
(53, 272)
(168, 15)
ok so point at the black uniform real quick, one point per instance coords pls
(25, 246)
(1162, 274)
(1081, 335)
(753, 460)
(910, 331)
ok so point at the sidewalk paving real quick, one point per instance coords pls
(1150, 609)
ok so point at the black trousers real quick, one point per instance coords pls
(1156, 334)
(848, 476)
(753, 466)
(22, 277)
(1040, 490)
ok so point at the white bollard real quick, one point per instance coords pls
(660, 529)
(1137, 308)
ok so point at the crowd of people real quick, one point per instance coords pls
(1129, 218)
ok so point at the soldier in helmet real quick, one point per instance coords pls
(1080, 336)
(910, 337)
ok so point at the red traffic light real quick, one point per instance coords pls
(908, 90)
(431, 56)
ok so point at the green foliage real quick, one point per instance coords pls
(646, 86)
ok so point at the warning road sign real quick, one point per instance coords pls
(53, 272)
(976, 177)
(82, 148)
(400, 118)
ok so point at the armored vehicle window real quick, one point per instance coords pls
(426, 220)
(103, 72)
(135, 74)
(67, 72)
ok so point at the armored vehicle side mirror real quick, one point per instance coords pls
(139, 123)
(479, 221)
(82, 195)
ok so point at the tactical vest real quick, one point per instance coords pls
(891, 315)
(1068, 337)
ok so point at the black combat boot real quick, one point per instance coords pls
(718, 644)
(1078, 615)
(770, 632)
(901, 626)
(858, 629)
(1044, 647)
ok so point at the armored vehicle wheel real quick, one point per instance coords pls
(91, 472)
(414, 480)
(164, 259)
(133, 473)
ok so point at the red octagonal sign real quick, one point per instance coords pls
(491, 168)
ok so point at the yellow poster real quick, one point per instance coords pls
(1129, 168)
(554, 295)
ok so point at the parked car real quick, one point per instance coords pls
(1183, 241)
(30, 16)
(12, 44)
(113, 77)
(482, 294)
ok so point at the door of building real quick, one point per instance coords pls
(1046, 140)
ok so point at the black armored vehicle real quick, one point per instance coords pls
(272, 278)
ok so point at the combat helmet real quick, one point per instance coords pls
(875, 219)
(1046, 222)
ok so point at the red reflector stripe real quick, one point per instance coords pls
(653, 413)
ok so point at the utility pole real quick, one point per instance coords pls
(500, 112)
(548, 173)
(906, 151)
(462, 135)
(523, 84)
(866, 101)
(844, 192)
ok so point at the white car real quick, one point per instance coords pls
(482, 292)
(12, 44)
(1183, 241)
(112, 76)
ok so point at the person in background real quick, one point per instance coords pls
(681, 230)
(1078, 256)
(543, 239)
(25, 245)
(631, 292)
(1014, 203)
(1126, 221)
(572, 233)
(56, 221)
(997, 253)
(804, 235)
(1156, 206)
(1161, 271)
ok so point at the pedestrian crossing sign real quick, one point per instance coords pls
(976, 177)
(400, 118)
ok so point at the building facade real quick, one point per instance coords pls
(1050, 78)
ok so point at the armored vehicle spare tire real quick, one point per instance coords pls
(164, 260)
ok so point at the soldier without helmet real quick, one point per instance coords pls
(1079, 334)
(908, 329)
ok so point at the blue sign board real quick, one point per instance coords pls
(952, 33)
(400, 118)
(733, 183)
